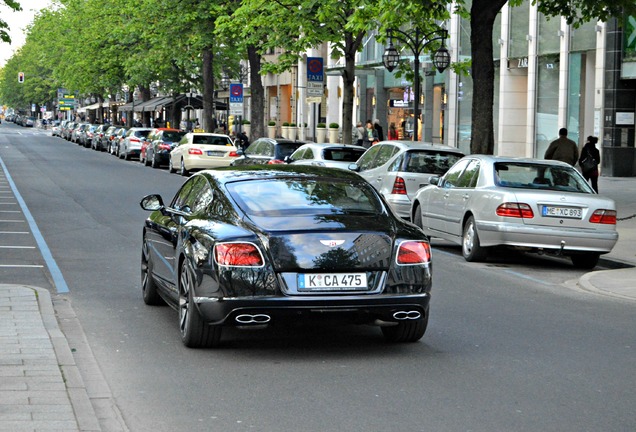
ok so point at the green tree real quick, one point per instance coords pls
(4, 35)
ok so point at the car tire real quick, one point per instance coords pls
(148, 287)
(153, 161)
(183, 171)
(406, 331)
(195, 332)
(586, 261)
(471, 247)
(170, 166)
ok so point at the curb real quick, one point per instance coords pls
(77, 392)
(89, 393)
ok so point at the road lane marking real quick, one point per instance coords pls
(17, 247)
(14, 232)
(56, 273)
(21, 266)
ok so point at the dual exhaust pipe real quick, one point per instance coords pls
(246, 319)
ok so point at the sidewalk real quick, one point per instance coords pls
(42, 388)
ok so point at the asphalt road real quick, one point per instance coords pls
(511, 345)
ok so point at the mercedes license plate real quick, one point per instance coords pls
(562, 212)
(332, 282)
(216, 153)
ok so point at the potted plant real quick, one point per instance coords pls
(321, 132)
(247, 128)
(333, 132)
(285, 130)
(291, 133)
(271, 129)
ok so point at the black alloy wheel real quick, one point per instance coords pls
(195, 333)
(148, 287)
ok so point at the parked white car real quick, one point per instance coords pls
(531, 204)
(131, 144)
(327, 155)
(397, 169)
(197, 151)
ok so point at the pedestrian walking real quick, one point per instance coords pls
(378, 129)
(393, 133)
(370, 135)
(359, 133)
(563, 149)
(589, 161)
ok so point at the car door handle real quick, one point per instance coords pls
(466, 196)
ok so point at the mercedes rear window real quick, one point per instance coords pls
(430, 162)
(539, 176)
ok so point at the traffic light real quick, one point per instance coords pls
(20, 77)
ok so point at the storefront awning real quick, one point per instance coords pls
(92, 107)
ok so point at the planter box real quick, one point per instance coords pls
(271, 131)
(321, 134)
(333, 136)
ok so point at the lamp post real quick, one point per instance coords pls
(225, 85)
(416, 41)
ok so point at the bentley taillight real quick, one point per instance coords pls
(515, 210)
(238, 254)
(414, 252)
(604, 217)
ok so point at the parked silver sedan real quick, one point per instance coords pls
(397, 169)
(532, 204)
(327, 155)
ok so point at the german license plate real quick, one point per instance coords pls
(215, 153)
(562, 212)
(332, 281)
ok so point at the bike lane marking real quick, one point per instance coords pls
(56, 273)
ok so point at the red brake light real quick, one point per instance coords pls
(604, 217)
(233, 154)
(195, 151)
(399, 187)
(414, 252)
(515, 210)
(164, 146)
(134, 140)
(238, 255)
(275, 162)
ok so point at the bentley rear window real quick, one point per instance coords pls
(290, 197)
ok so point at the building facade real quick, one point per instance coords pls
(548, 75)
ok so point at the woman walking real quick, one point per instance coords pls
(589, 160)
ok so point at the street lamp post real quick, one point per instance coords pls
(416, 41)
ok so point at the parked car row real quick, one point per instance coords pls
(477, 201)
(154, 147)
(21, 120)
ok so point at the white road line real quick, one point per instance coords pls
(10, 220)
(14, 232)
(17, 247)
(20, 266)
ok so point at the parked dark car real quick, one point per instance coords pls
(161, 141)
(252, 246)
(118, 137)
(267, 151)
(98, 141)
(86, 136)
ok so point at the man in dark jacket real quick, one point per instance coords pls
(378, 129)
(563, 149)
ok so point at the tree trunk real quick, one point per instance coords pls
(209, 106)
(257, 104)
(348, 78)
(483, 14)
(145, 96)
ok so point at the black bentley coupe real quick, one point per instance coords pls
(259, 245)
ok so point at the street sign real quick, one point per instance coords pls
(315, 69)
(315, 77)
(236, 99)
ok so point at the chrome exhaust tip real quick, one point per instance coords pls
(407, 315)
(252, 319)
